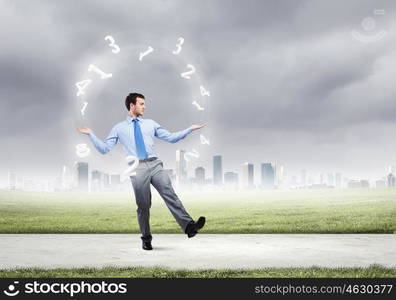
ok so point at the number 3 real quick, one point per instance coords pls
(112, 44)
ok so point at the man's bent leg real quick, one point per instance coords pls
(141, 187)
(162, 183)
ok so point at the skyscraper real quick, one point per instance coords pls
(380, 183)
(115, 180)
(181, 167)
(391, 180)
(81, 169)
(231, 180)
(106, 180)
(12, 181)
(303, 177)
(96, 180)
(217, 170)
(280, 176)
(267, 176)
(390, 169)
(321, 178)
(330, 179)
(338, 180)
(64, 184)
(200, 176)
(248, 175)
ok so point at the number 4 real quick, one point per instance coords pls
(82, 85)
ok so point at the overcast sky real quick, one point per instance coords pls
(290, 81)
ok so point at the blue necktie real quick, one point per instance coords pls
(140, 148)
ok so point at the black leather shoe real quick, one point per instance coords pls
(146, 243)
(193, 227)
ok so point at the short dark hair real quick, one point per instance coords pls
(131, 98)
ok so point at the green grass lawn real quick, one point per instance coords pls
(373, 271)
(295, 211)
(298, 211)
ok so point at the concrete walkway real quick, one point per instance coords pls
(209, 251)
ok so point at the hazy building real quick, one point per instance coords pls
(356, 183)
(293, 180)
(12, 181)
(321, 178)
(181, 167)
(303, 177)
(364, 183)
(115, 180)
(267, 176)
(28, 184)
(64, 181)
(58, 184)
(231, 180)
(96, 180)
(390, 169)
(217, 170)
(82, 175)
(279, 175)
(171, 175)
(353, 183)
(318, 186)
(381, 183)
(330, 179)
(248, 175)
(96, 175)
(200, 176)
(338, 180)
(208, 181)
(106, 180)
(19, 183)
(390, 179)
(345, 181)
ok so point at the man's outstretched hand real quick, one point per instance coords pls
(84, 130)
(195, 127)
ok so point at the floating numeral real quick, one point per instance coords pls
(82, 150)
(116, 48)
(81, 86)
(178, 46)
(143, 54)
(204, 92)
(133, 162)
(194, 153)
(197, 105)
(84, 108)
(103, 75)
(204, 140)
(188, 73)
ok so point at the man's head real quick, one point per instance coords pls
(134, 103)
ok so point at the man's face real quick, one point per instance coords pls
(139, 107)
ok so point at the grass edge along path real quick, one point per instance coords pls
(373, 271)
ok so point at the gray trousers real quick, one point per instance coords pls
(153, 172)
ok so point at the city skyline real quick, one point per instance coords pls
(268, 175)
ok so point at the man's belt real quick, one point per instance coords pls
(147, 159)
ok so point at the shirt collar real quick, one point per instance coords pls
(129, 119)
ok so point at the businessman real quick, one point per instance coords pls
(136, 135)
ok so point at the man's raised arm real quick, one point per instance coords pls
(173, 137)
(102, 146)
